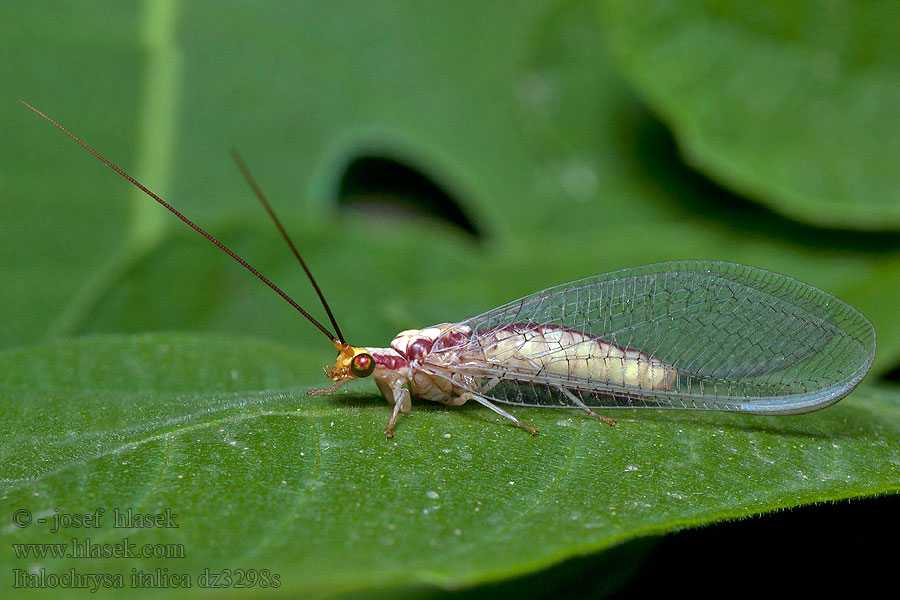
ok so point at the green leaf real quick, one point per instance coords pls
(522, 115)
(217, 430)
(795, 106)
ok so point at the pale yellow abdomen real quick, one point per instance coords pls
(568, 352)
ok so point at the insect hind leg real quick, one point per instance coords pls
(485, 402)
(577, 402)
(489, 384)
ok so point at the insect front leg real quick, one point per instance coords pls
(399, 397)
(330, 390)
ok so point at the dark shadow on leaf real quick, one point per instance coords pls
(894, 375)
(791, 545)
(390, 189)
(594, 576)
(705, 199)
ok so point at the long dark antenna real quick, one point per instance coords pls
(256, 190)
(195, 227)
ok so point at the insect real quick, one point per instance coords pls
(687, 335)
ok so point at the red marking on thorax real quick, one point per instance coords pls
(390, 361)
(418, 348)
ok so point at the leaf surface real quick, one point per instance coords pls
(219, 431)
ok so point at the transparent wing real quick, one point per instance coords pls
(741, 339)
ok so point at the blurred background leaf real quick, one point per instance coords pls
(795, 106)
(560, 140)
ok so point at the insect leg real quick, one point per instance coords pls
(401, 398)
(485, 402)
(577, 401)
(489, 385)
(333, 388)
(469, 394)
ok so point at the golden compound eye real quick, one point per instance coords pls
(362, 365)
